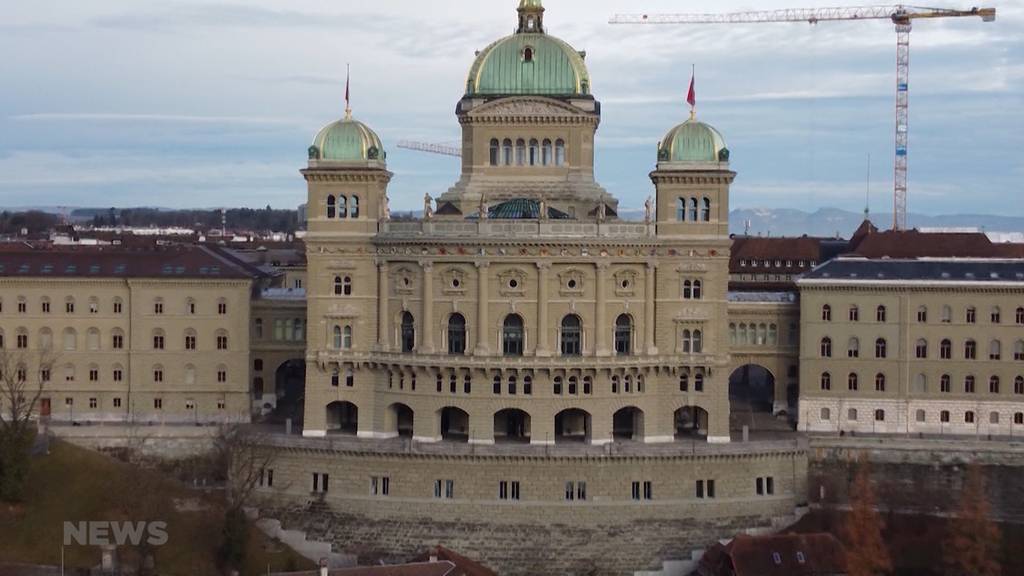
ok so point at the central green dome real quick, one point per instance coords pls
(529, 62)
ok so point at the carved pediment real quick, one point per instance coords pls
(525, 107)
(339, 311)
(512, 282)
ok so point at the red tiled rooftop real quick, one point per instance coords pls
(20, 260)
(777, 555)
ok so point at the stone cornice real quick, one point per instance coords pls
(697, 177)
(347, 175)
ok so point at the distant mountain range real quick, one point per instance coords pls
(824, 222)
(827, 222)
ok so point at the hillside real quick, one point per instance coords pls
(73, 484)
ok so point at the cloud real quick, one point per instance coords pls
(170, 118)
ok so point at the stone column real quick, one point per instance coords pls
(382, 305)
(601, 312)
(649, 309)
(426, 343)
(543, 328)
(483, 337)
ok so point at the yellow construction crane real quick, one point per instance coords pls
(902, 16)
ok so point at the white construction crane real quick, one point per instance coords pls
(442, 149)
(902, 16)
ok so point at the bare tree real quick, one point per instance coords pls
(866, 552)
(22, 378)
(973, 539)
(243, 459)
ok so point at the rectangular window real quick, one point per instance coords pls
(93, 403)
(636, 491)
(118, 375)
(117, 402)
(158, 308)
(321, 482)
(94, 375)
(222, 308)
(700, 489)
(117, 307)
(508, 490)
(69, 307)
(118, 341)
(380, 485)
(648, 490)
(46, 307)
(158, 403)
(444, 489)
(267, 477)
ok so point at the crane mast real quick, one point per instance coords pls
(900, 15)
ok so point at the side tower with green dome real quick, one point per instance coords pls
(528, 122)
(692, 180)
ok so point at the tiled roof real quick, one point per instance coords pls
(117, 262)
(936, 270)
(463, 566)
(916, 244)
(777, 555)
(439, 568)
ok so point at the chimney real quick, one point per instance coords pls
(433, 555)
(323, 567)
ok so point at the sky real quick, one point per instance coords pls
(182, 103)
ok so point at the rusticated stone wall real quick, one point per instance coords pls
(542, 533)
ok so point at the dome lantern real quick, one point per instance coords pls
(531, 17)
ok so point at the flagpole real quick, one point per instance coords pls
(693, 81)
(348, 101)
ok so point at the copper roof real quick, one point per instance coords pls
(21, 261)
(778, 555)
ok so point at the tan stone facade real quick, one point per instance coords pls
(139, 349)
(934, 356)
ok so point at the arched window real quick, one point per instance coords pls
(572, 337)
(698, 342)
(879, 382)
(354, 207)
(45, 339)
(1018, 385)
(993, 385)
(22, 339)
(494, 152)
(826, 381)
(1020, 315)
(1018, 350)
(854, 314)
(921, 349)
(624, 335)
(853, 348)
(346, 338)
(773, 334)
(945, 350)
(338, 286)
(732, 334)
(520, 152)
(945, 384)
(681, 209)
(342, 207)
(826, 414)
(190, 339)
(995, 350)
(545, 156)
(456, 334)
(337, 338)
(698, 290)
(408, 332)
(92, 339)
(852, 382)
(880, 415)
(506, 152)
(880, 314)
(826, 313)
(969, 384)
(559, 152)
(971, 315)
(158, 339)
(346, 286)
(996, 315)
(881, 348)
(826, 347)
(947, 314)
(512, 335)
(534, 157)
(705, 211)
(332, 209)
(694, 208)
(222, 339)
(970, 350)
(922, 314)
